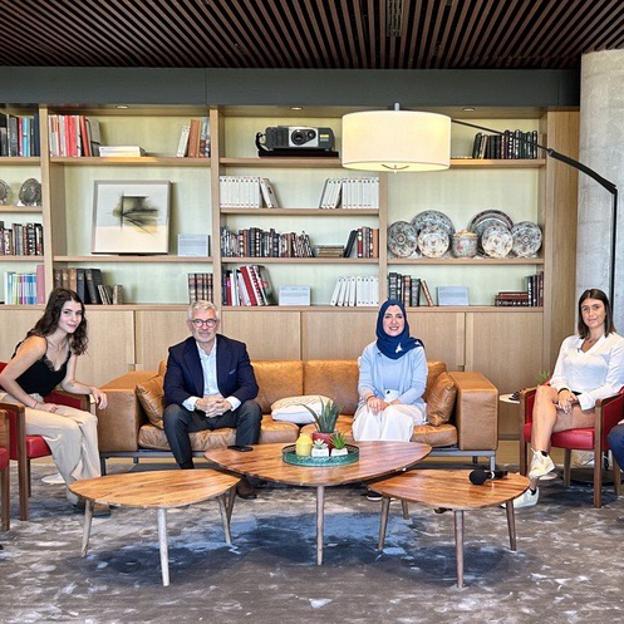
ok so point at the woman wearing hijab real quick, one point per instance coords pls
(393, 378)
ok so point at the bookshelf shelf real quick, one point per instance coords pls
(258, 260)
(19, 161)
(145, 259)
(302, 212)
(497, 163)
(137, 161)
(282, 162)
(467, 261)
(21, 258)
(21, 209)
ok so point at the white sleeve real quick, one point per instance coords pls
(613, 382)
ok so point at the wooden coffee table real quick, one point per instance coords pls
(377, 459)
(160, 489)
(452, 490)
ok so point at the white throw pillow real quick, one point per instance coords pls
(290, 409)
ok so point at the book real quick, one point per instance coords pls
(426, 293)
(183, 141)
(268, 193)
(348, 250)
(115, 151)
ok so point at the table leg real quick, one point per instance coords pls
(223, 508)
(458, 523)
(511, 524)
(86, 527)
(320, 519)
(231, 497)
(405, 509)
(162, 539)
(383, 521)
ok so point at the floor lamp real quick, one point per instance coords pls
(413, 141)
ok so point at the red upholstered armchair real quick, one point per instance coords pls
(608, 412)
(23, 448)
(5, 499)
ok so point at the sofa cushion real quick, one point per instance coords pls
(441, 400)
(434, 369)
(293, 409)
(277, 379)
(162, 367)
(336, 379)
(152, 398)
(270, 431)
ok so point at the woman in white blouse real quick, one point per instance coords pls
(590, 366)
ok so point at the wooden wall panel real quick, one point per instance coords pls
(443, 335)
(13, 327)
(111, 346)
(156, 331)
(268, 335)
(336, 335)
(508, 350)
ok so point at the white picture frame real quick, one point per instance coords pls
(131, 217)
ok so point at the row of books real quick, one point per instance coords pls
(512, 144)
(249, 285)
(22, 239)
(355, 291)
(246, 192)
(24, 288)
(257, 243)
(194, 139)
(350, 193)
(19, 135)
(363, 242)
(408, 290)
(89, 285)
(74, 135)
(532, 297)
(200, 286)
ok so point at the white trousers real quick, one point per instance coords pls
(395, 423)
(71, 435)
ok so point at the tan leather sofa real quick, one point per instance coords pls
(124, 430)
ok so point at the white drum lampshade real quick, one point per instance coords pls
(396, 140)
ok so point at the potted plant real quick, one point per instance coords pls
(339, 445)
(325, 421)
(320, 449)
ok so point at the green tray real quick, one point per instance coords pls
(290, 457)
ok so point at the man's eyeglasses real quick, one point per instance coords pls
(205, 323)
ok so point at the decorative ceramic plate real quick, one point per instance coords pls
(290, 457)
(527, 239)
(433, 241)
(30, 192)
(5, 192)
(433, 217)
(497, 241)
(402, 239)
(483, 220)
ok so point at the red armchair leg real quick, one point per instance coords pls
(617, 477)
(29, 479)
(6, 499)
(23, 483)
(567, 465)
(523, 455)
(598, 478)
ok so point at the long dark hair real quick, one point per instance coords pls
(595, 293)
(48, 323)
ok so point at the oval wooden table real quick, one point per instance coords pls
(377, 459)
(452, 490)
(160, 489)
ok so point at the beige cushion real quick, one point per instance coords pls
(152, 398)
(441, 400)
(291, 409)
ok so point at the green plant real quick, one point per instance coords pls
(542, 377)
(320, 444)
(326, 419)
(338, 440)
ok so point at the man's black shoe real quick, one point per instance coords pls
(245, 490)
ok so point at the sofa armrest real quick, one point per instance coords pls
(119, 423)
(476, 411)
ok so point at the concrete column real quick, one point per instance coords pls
(602, 149)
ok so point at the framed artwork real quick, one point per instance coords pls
(131, 217)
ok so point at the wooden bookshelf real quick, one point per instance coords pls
(302, 212)
(466, 261)
(135, 258)
(21, 209)
(134, 161)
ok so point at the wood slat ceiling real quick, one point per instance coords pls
(349, 34)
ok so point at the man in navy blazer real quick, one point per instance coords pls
(209, 384)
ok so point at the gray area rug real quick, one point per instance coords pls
(568, 567)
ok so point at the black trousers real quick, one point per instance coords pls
(179, 422)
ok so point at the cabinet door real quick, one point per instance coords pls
(507, 348)
(156, 331)
(336, 335)
(111, 346)
(443, 335)
(268, 335)
(13, 327)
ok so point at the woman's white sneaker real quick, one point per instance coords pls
(528, 499)
(541, 466)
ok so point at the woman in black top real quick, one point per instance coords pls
(43, 360)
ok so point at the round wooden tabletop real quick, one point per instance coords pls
(159, 488)
(265, 462)
(451, 489)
